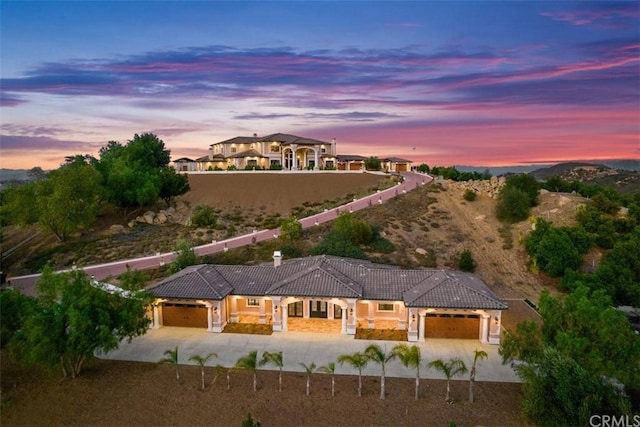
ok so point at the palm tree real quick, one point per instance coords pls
(375, 353)
(250, 362)
(357, 361)
(477, 355)
(276, 359)
(410, 357)
(330, 368)
(171, 358)
(309, 369)
(201, 362)
(450, 369)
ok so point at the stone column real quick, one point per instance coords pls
(495, 327)
(209, 316)
(352, 318)
(285, 317)
(294, 157)
(277, 311)
(233, 316)
(371, 321)
(262, 315)
(412, 333)
(315, 165)
(484, 328)
(422, 331)
(217, 324)
(305, 308)
(402, 317)
(156, 315)
(344, 322)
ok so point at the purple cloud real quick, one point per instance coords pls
(609, 15)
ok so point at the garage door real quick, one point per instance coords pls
(401, 167)
(190, 316)
(452, 326)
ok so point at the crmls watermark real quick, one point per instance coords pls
(614, 421)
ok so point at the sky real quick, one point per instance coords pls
(489, 83)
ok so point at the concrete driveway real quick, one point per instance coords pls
(306, 347)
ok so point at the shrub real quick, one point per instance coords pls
(466, 262)
(513, 205)
(203, 216)
(470, 195)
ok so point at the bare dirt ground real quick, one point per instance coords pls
(112, 393)
(274, 192)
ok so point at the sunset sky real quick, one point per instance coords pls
(476, 83)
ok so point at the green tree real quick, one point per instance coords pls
(466, 262)
(171, 358)
(558, 391)
(274, 358)
(20, 204)
(410, 357)
(309, 370)
(527, 184)
(477, 355)
(185, 256)
(373, 164)
(525, 344)
(290, 228)
(14, 309)
(330, 368)
(74, 318)
(250, 422)
(423, 168)
(201, 361)
(68, 200)
(356, 361)
(173, 184)
(250, 363)
(451, 368)
(512, 205)
(376, 354)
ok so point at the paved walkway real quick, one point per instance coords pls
(306, 347)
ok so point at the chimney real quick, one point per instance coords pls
(277, 259)
(255, 135)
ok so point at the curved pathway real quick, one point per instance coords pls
(412, 180)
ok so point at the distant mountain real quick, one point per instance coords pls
(8, 175)
(625, 181)
(625, 164)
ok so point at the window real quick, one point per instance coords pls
(253, 302)
(233, 149)
(252, 162)
(275, 148)
(385, 307)
(324, 150)
(275, 162)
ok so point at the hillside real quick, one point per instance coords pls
(625, 181)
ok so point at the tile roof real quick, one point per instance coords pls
(247, 153)
(326, 276)
(194, 282)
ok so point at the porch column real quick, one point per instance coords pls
(315, 165)
(262, 316)
(495, 326)
(421, 335)
(285, 316)
(305, 308)
(217, 324)
(209, 316)
(156, 315)
(233, 316)
(352, 320)
(344, 322)
(371, 321)
(294, 159)
(484, 328)
(282, 158)
(276, 309)
(412, 333)
(402, 317)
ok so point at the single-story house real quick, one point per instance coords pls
(349, 292)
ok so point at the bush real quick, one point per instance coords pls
(203, 216)
(466, 262)
(513, 205)
(470, 195)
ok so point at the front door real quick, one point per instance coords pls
(337, 312)
(295, 309)
(318, 309)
